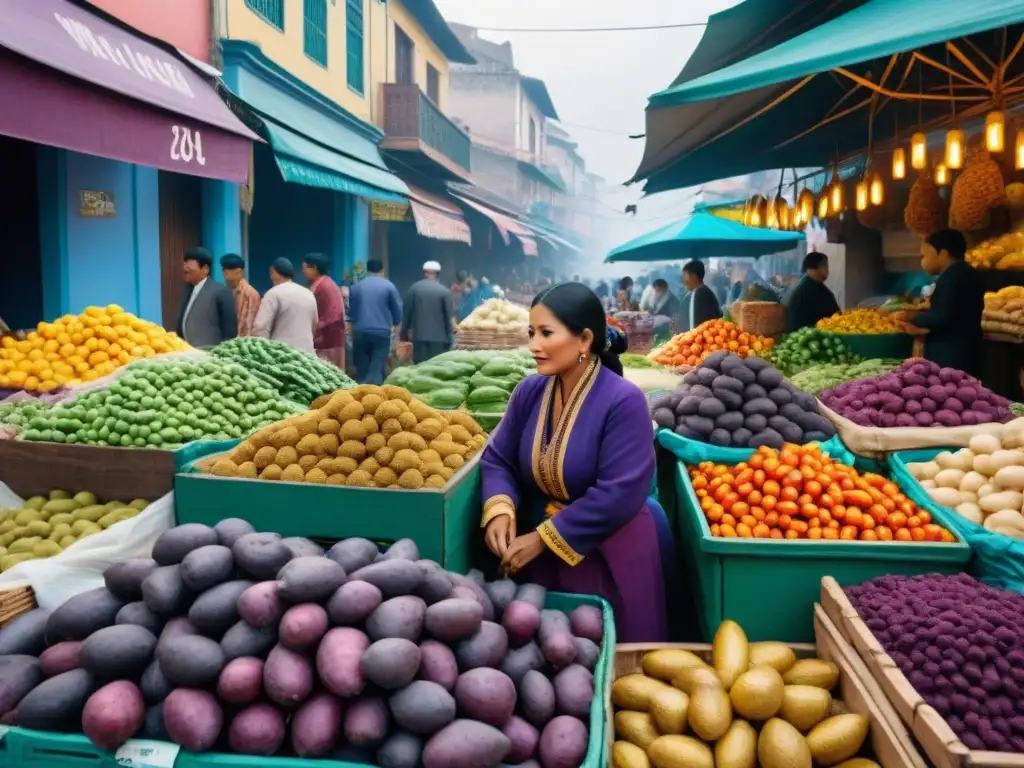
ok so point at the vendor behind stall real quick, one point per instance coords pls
(953, 323)
(698, 304)
(810, 300)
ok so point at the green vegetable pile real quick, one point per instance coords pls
(164, 405)
(632, 360)
(296, 375)
(1017, 409)
(818, 378)
(811, 346)
(21, 413)
(482, 380)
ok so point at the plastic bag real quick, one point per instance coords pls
(694, 451)
(80, 567)
(998, 560)
(881, 441)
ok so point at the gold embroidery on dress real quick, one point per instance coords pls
(554, 541)
(496, 506)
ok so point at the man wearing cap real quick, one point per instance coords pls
(429, 315)
(247, 299)
(288, 311)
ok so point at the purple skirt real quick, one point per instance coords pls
(625, 570)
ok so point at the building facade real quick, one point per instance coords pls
(114, 122)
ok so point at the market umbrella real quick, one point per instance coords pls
(703, 236)
(806, 100)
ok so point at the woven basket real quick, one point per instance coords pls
(760, 318)
(476, 338)
(15, 600)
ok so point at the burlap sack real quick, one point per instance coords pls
(878, 442)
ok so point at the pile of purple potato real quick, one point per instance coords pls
(236, 641)
(961, 645)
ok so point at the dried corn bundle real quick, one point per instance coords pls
(926, 211)
(978, 189)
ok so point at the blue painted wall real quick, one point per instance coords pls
(222, 221)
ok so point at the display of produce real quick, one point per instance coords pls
(296, 375)
(692, 347)
(367, 437)
(1003, 252)
(482, 380)
(821, 377)
(46, 526)
(906, 304)
(1004, 311)
(498, 315)
(742, 403)
(750, 703)
(984, 482)
(860, 321)
(77, 348)
(159, 404)
(918, 394)
(228, 638)
(961, 645)
(632, 360)
(811, 346)
(801, 493)
(20, 414)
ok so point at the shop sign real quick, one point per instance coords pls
(389, 211)
(93, 204)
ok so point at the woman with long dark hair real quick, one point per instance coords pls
(567, 473)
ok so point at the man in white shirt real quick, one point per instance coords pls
(288, 311)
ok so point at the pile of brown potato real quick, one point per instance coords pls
(755, 703)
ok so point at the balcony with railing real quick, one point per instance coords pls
(415, 127)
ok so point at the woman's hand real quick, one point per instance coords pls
(499, 534)
(523, 551)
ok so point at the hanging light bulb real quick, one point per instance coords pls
(876, 190)
(955, 149)
(995, 131)
(758, 211)
(1019, 151)
(785, 214)
(771, 217)
(836, 197)
(781, 207)
(899, 164)
(860, 195)
(805, 205)
(942, 174)
(919, 151)
(823, 205)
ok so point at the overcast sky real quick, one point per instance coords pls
(599, 81)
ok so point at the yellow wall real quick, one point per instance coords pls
(379, 20)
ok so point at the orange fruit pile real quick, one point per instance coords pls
(801, 493)
(692, 347)
(78, 348)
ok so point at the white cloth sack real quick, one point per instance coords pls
(80, 567)
(878, 442)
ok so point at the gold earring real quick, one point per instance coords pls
(581, 358)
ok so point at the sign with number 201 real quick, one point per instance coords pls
(187, 145)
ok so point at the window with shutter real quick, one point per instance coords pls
(354, 44)
(271, 10)
(314, 30)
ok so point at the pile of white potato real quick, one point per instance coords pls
(497, 315)
(984, 482)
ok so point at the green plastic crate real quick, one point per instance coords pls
(442, 522)
(770, 586)
(21, 748)
(879, 345)
(197, 449)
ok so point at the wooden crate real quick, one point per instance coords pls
(942, 747)
(15, 599)
(476, 338)
(35, 469)
(855, 695)
(890, 740)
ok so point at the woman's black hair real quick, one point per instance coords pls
(578, 309)
(625, 283)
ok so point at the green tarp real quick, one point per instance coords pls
(702, 236)
(721, 124)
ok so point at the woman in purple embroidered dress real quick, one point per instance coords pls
(566, 475)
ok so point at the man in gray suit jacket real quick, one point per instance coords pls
(207, 315)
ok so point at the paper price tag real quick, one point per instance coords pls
(143, 753)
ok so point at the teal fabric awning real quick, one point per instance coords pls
(787, 106)
(303, 161)
(704, 236)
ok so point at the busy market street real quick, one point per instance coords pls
(539, 383)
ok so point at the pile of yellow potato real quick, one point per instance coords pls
(1004, 311)
(78, 348)
(755, 703)
(1003, 252)
(861, 321)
